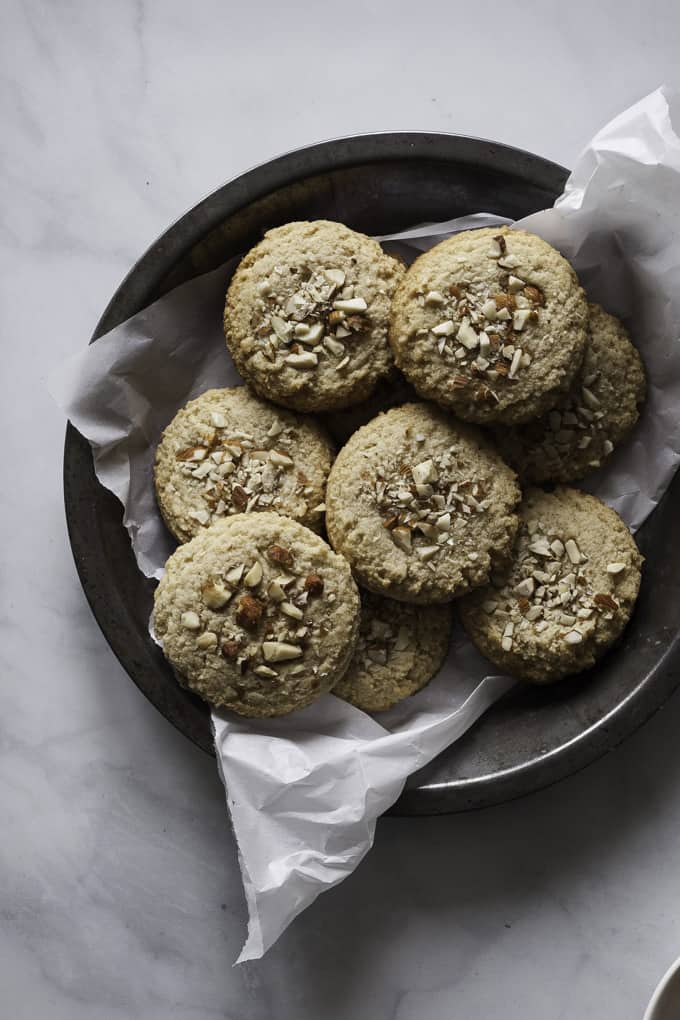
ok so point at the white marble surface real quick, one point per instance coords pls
(120, 894)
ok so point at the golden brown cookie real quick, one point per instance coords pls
(228, 452)
(307, 312)
(591, 420)
(257, 614)
(399, 649)
(568, 593)
(420, 505)
(490, 323)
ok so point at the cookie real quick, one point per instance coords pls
(421, 506)
(399, 650)
(228, 452)
(257, 614)
(590, 421)
(492, 324)
(307, 312)
(567, 594)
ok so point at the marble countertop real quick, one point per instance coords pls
(121, 896)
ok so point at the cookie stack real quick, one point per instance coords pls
(522, 382)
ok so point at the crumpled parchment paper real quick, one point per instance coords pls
(304, 791)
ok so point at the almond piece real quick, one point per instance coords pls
(190, 620)
(192, 453)
(230, 649)
(215, 595)
(249, 612)
(314, 584)
(277, 554)
(280, 651)
(254, 575)
(605, 601)
(206, 640)
(239, 497)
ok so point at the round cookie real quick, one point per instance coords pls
(421, 506)
(596, 414)
(399, 649)
(257, 614)
(307, 312)
(567, 594)
(490, 323)
(228, 452)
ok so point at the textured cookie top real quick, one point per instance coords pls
(491, 323)
(421, 507)
(596, 414)
(306, 315)
(228, 452)
(257, 614)
(399, 649)
(568, 593)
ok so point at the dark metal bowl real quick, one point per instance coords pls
(380, 184)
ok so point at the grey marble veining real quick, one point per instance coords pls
(120, 896)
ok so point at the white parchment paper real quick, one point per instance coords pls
(304, 791)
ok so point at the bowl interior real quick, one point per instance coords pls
(380, 184)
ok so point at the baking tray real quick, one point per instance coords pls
(381, 184)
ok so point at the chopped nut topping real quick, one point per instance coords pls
(424, 472)
(476, 325)
(314, 584)
(202, 516)
(574, 637)
(276, 592)
(572, 551)
(207, 640)
(616, 568)
(508, 261)
(589, 398)
(288, 609)
(520, 319)
(234, 575)
(280, 651)
(190, 620)
(606, 601)
(280, 459)
(277, 554)
(265, 671)
(515, 284)
(427, 552)
(350, 305)
(239, 497)
(215, 595)
(534, 295)
(420, 503)
(249, 612)
(547, 590)
(402, 538)
(308, 359)
(230, 649)
(336, 276)
(193, 453)
(254, 575)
